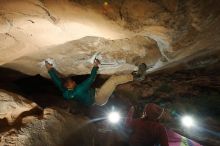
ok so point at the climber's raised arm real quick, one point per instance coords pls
(129, 119)
(53, 74)
(85, 85)
(94, 70)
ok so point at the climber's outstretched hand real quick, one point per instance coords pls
(48, 65)
(96, 63)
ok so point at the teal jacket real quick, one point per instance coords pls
(82, 92)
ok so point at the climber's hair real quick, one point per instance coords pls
(66, 79)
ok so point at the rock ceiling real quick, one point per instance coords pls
(124, 32)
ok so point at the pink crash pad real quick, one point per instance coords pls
(176, 139)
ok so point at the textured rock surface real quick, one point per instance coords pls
(12, 106)
(51, 127)
(34, 30)
(121, 55)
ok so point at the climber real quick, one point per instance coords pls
(87, 95)
(147, 131)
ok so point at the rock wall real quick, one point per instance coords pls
(34, 30)
(21, 125)
(117, 56)
(12, 106)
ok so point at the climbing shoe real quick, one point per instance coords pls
(140, 74)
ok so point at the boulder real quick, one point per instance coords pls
(12, 106)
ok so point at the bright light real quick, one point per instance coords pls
(114, 117)
(105, 3)
(187, 121)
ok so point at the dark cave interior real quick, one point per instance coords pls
(182, 91)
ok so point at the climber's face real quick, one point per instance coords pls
(70, 84)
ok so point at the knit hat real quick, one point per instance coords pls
(153, 112)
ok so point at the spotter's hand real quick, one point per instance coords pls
(96, 63)
(132, 109)
(48, 65)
